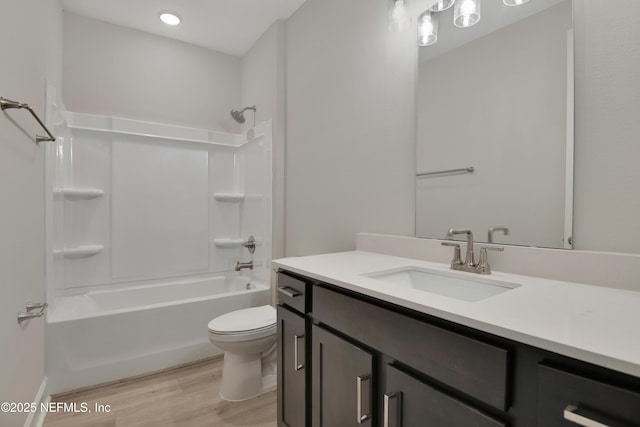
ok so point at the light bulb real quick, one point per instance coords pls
(466, 13)
(442, 5)
(514, 2)
(399, 19)
(427, 29)
(169, 18)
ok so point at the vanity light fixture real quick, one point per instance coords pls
(442, 5)
(466, 13)
(427, 29)
(170, 18)
(399, 19)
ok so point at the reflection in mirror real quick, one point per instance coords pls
(498, 97)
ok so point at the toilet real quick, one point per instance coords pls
(248, 339)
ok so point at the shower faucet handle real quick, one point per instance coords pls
(250, 244)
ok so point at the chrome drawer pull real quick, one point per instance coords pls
(298, 365)
(291, 293)
(572, 413)
(359, 381)
(387, 398)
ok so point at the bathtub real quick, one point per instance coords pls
(105, 335)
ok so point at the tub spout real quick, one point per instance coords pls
(241, 265)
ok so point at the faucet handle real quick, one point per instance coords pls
(250, 244)
(457, 258)
(483, 264)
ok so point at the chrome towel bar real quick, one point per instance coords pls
(450, 171)
(28, 314)
(7, 104)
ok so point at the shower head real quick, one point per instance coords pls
(238, 115)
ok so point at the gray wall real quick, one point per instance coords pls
(31, 39)
(116, 71)
(263, 85)
(607, 187)
(350, 126)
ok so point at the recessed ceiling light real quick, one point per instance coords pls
(169, 18)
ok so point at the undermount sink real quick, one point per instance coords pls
(448, 285)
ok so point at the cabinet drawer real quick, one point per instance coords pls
(409, 402)
(292, 292)
(476, 368)
(569, 400)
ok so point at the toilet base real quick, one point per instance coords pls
(269, 383)
(245, 376)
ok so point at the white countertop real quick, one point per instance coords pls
(590, 323)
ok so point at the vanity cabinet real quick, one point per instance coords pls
(369, 362)
(292, 351)
(476, 368)
(408, 362)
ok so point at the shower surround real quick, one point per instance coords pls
(145, 224)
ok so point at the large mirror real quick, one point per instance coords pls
(494, 145)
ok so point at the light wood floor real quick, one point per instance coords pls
(183, 397)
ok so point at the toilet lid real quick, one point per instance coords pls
(247, 319)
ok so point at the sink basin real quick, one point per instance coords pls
(448, 285)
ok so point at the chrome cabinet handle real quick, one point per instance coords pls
(572, 413)
(297, 365)
(291, 293)
(359, 380)
(387, 398)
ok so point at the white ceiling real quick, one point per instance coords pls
(229, 26)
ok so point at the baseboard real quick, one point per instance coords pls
(36, 419)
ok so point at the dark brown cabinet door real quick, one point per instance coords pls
(342, 382)
(291, 369)
(408, 402)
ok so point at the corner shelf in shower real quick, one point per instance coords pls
(228, 243)
(83, 251)
(79, 193)
(229, 197)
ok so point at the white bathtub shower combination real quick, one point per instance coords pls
(146, 223)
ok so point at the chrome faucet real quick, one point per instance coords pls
(241, 265)
(469, 260)
(469, 264)
(250, 244)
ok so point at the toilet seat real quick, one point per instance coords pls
(243, 325)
